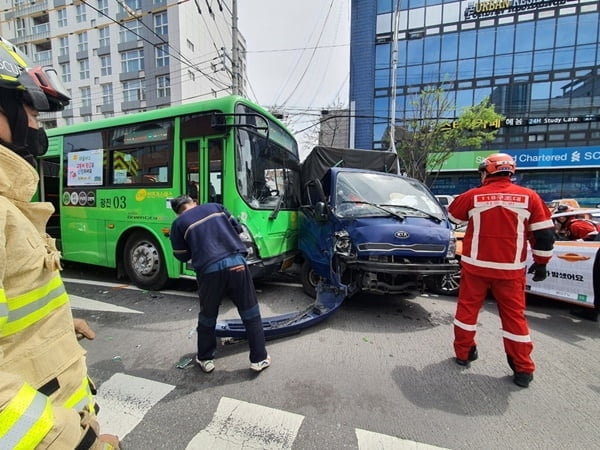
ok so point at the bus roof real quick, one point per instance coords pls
(224, 103)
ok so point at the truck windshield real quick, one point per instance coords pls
(359, 194)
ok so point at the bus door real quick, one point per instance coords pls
(204, 170)
(49, 191)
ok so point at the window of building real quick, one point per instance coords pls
(82, 42)
(449, 47)
(85, 96)
(102, 7)
(63, 46)
(544, 33)
(524, 37)
(80, 13)
(133, 91)
(20, 27)
(162, 55)
(84, 69)
(585, 55)
(107, 94)
(161, 24)
(163, 86)
(65, 72)
(104, 37)
(62, 17)
(130, 31)
(132, 61)
(105, 65)
(587, 30)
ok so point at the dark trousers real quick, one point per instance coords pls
(236, 283)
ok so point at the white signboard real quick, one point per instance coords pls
(84, 168)
(570, 273)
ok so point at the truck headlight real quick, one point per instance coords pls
(343, 244)
(451, 253)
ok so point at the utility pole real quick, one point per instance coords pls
(396, 25)
(235, 53)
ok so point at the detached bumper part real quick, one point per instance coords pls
(328, 301)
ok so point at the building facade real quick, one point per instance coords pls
(537, 60)
(121, 56)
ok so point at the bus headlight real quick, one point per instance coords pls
(248, 241)
(342, 244)
(451, 253)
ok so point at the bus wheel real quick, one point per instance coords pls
(144, 263)
(309, 279)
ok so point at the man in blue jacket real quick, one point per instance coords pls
(209, 235)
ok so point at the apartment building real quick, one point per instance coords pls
(122, 56)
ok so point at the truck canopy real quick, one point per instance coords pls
(321, 159)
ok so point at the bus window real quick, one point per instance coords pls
(215, 156)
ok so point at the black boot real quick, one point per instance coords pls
(473, 355)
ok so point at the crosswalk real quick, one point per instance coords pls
(235, 424)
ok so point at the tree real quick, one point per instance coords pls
(431, 134)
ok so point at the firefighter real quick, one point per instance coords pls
(576, 228)
(46, 397)
(501, 218)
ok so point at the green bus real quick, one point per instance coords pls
(111, 181)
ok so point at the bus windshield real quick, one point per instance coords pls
(267, 165)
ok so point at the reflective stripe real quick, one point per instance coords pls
(32, 306)
(25, 420)
(516, 337)
(492, 264)
(544, 253)
(82, 398)
(465, 326)
(3, 310)
(541, 225)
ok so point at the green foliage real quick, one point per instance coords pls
(431, 133)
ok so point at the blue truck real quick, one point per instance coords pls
(365, 228)
(362, 228)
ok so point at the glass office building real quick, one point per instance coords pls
(537, 60)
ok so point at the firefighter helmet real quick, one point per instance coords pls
(498, 163)
(41, 85)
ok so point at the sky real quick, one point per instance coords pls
(297, 57)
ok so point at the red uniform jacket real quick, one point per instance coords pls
(502, 217)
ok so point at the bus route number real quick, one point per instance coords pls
(117, 202)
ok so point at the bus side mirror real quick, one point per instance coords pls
(321, 212)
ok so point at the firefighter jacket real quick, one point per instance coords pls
(581, 229)
(502, 219)
(45, 395)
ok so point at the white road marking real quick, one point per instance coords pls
(369, 440)
(124, 401)
(125, 286)
(237, 425)
(88, 304)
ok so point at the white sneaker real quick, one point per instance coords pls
(257, 367)
(207, 366)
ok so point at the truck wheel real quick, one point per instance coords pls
(144, 262)
(444, 284)
(309, 279)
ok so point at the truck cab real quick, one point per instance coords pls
(364, 228)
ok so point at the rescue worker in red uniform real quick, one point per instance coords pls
(576, 228)
(501, 218)
(46, 397)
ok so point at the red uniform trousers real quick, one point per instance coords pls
(510, 298)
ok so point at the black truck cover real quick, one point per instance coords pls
(320, 159)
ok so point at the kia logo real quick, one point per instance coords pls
(401, 234)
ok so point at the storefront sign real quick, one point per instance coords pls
(486, 8)
(541, 158)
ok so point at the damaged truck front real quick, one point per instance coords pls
(364, 228)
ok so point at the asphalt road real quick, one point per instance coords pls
(377, 374)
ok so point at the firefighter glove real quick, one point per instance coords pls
(538, 271)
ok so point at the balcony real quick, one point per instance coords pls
(43, 58)
(27, 9)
